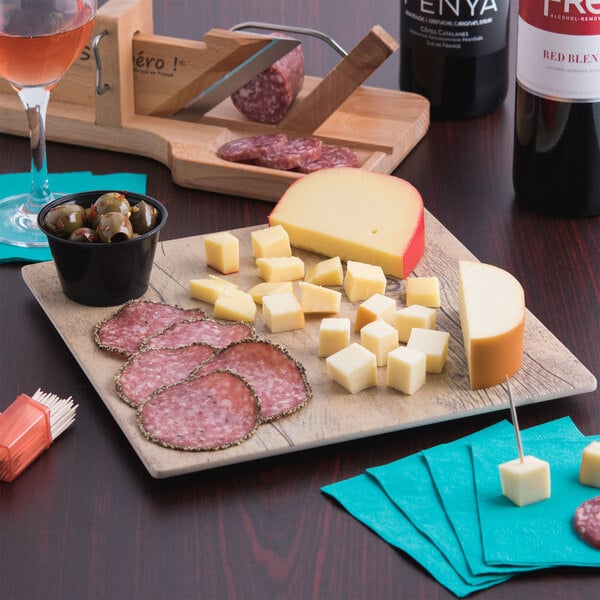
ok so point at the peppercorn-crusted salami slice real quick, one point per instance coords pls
(211, 412)
(298, 151)
(277, 378)
(587, 521)
(207, 331)
(250, 148)
(268, 96)
(124, 331)
(331, 157)
(148, 370)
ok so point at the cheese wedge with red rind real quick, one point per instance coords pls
(357, 215)
(492, 316)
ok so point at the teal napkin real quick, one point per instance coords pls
(366, 501)
(428, 505)
(64, 183)
(540, 534)
(451, 469)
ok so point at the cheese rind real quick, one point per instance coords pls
(377, 306)
(356, 215)
(525, 482)
(492, 317)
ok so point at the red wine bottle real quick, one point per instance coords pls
(556, 165)
(455, 53)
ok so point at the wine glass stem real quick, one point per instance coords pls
(35, 100)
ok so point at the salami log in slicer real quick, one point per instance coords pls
(131, 89)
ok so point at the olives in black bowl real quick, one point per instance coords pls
(103, 257)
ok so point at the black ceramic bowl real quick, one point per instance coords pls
(102, 273)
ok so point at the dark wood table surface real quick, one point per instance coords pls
(87, 521)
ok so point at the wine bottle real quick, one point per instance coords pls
(556, 163)
(455, 53)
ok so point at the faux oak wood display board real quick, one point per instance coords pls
(549, 369)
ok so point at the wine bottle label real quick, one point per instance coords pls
(558, 49)
(455, 27)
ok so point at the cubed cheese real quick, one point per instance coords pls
(356, 215)
(492, 317)
(363, 280)
(265, 288)
(270, 242)
(413, 316)
(525, 482)
(424, 291)
(319, 299)
(435, 345)
(589, 471)
(280, 268)
(222, 252)
(334, 334)
(406, 369)
(354, 368)
(282, 312)
(376, 307)
(379, 337)
(326, 272)
(207, 289)
(235, 305)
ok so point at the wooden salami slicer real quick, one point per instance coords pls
(130, 90)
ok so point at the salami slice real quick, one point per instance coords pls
(297, 152)
(207, 331)
(331, 157)
(124, 331)
(212, 412)
(278, 379)
(268, 96)
(587, 521)
(148, 370)
(253, 147)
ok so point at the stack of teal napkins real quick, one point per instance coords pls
(444, 506)
(66, 183)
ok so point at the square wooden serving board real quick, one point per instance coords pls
(549, 369)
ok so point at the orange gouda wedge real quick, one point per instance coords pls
(492, 317)
(357, 215)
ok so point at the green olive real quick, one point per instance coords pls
(64, 219)
(84, 234)
(112, 202)
(114, 227)
(143, 217)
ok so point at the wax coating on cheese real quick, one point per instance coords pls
(492, 317)
(356, 215)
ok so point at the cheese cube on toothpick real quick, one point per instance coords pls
(526, 479)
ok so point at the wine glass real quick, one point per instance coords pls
(39, 41)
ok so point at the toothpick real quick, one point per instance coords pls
(513, 412)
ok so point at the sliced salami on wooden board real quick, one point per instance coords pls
(549, 369)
